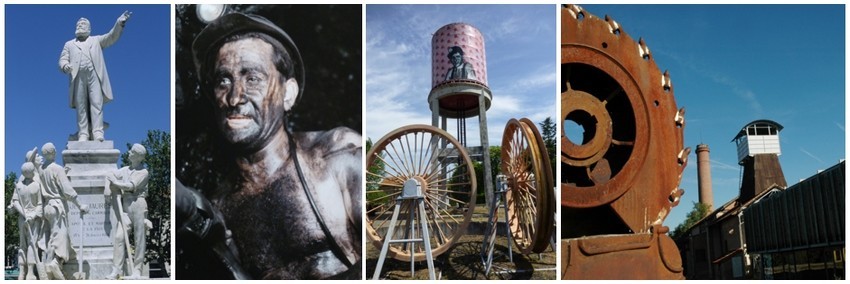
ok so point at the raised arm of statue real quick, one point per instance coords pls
(112, 36)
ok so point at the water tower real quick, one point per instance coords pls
(459, 87)
(758, 153)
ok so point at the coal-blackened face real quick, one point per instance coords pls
(249, 94)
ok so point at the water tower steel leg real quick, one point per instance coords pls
(445, 122)
(485, 145)
(435, 113)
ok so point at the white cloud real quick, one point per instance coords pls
(811, 155)
(715, 164)
(738, 88)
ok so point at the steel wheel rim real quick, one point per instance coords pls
(413, 152)
(529, 198)
(616, 178)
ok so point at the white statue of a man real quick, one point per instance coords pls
(82, 60)
(132, 183)
(56, 191)
(27, 201)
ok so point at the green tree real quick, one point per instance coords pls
(158, 163)
(495, 169)
(372, 186)
(699, 211)
(549, 129)
(459, 177)
(495, 161)
(12, 237)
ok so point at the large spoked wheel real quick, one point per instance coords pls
(530, 196)
(443, 169)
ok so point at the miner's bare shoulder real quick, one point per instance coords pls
(340, 143)
(336, 154)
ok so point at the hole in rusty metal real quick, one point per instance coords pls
(656, 103)
(594, 81)
(580, 16)
(604, 45)
(580, 127)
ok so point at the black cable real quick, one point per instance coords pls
(335, 248)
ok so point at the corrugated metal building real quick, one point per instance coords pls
(799, 233)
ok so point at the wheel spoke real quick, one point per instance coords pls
(622, 143)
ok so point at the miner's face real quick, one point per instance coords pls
(249, 94)
(457, 59)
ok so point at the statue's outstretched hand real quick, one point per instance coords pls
(124, 17)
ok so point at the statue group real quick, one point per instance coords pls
(41, 198)
(109, 204)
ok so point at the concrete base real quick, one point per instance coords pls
(98, 269)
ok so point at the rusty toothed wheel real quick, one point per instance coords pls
(632, 131)
(620, 177)
(441, 166)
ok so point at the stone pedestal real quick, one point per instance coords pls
(87, 164)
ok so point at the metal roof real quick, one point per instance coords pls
(743, 130)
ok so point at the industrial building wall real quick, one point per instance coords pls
(800, 229)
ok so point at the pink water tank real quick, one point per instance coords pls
(457, 54)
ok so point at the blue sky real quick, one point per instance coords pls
(520, 42)
(732, 64)
(36, 92)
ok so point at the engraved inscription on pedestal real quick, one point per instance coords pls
(96, 225)
(87, 163)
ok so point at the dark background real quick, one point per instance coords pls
(329, 39)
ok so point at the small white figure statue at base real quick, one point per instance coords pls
(56, 191)
(132, 183)
(27, 201)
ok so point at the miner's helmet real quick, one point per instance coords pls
(212, 37)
